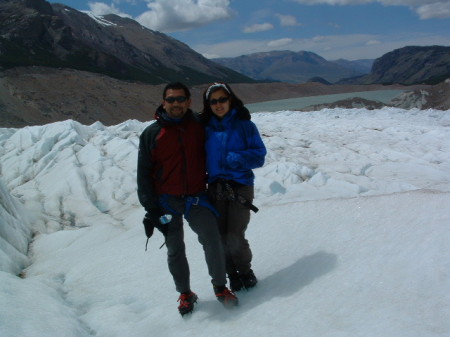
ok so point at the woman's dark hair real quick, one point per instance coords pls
(235, 102)
(177, 86)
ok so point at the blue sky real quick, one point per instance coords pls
(349, 29)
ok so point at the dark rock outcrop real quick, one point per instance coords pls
(408, 65)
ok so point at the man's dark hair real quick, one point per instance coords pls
(177, 86)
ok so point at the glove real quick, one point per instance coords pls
(234, 160)
(148, 226)
(151, 220)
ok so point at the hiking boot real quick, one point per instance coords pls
(248, 279)
(225, 296)
(235, 282)
(187, 301)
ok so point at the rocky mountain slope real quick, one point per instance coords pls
(409, 65)
(35, 32)
(291, 67)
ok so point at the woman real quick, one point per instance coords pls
(234, 147)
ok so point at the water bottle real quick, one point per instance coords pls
(165, 219)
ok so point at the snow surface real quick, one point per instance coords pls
(352, 237)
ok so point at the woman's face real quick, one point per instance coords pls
(220, 103)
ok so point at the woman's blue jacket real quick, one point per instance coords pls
(233, 147)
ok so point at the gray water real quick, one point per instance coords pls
(383, 96)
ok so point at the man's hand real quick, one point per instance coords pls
(151, 221)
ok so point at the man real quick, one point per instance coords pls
(171, 178)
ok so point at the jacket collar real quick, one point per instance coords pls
(165, 120)
(225, 122)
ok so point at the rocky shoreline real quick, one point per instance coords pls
(431, 97)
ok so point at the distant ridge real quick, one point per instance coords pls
(293, 67)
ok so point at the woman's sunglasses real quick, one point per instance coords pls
(219, 100)
(172, 99)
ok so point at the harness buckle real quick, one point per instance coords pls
(195, 201)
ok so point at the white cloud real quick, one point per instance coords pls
(287, 20)
(258, 28)
(211, 56)
(426, 9)
(100, 8)
(362, 2)
(131, 2)
(334, 2)
(232, 48)
(177, 15)
(331, 47)
(319, 39)
(279, 43)
(334, 25)
(436, 10)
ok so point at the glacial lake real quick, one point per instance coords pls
(383, 96)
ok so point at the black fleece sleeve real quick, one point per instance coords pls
(146, 193)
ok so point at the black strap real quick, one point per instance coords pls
(226, 192)
(246, 203)
(146, 244)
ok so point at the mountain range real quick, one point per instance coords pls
(408, 65)
(294, 67)
(37, 33)
(57, 63)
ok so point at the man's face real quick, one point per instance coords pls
(176, 103)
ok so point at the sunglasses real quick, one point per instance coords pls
(219, 100)
(172, 99)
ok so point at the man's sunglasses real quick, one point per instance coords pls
(219, 100)
(172, 99)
